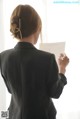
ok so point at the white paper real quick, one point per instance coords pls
(55, 48)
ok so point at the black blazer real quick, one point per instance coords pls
(32, 78)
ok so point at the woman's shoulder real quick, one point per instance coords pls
(45, 53)
(6, 51)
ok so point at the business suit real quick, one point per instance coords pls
(31, 76)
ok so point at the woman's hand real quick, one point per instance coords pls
(63, 61)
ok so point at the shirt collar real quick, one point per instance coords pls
(24, 45)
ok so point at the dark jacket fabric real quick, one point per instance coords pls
(32, 78)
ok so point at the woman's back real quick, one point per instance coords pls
(26, 72)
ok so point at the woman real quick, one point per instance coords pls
(31, 76)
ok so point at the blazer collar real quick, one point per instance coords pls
(24, 45)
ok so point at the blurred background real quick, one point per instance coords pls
(61, 23)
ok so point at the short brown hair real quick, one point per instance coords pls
(24, 21)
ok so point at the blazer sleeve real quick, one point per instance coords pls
(5, 81)
(55, 81)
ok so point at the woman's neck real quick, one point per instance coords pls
(29, 39)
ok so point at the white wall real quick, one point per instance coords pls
(2, 85)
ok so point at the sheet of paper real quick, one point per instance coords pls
(55, 48)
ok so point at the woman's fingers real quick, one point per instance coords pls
(63, 60)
